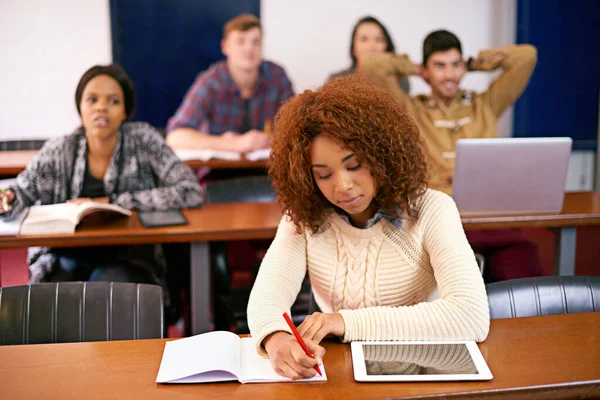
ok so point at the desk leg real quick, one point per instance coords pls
(200, 286)
(564, 251)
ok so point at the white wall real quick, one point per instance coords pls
(580, 176)
(311, 38)
(46, 46)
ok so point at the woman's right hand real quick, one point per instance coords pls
(6, 199)
(287, 357)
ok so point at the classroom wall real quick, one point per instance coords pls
(46, 46)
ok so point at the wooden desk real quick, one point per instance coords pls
(220, 221)
(579, 209)
(233, 221)
(13, 162)
(238, 221)
(226, 164)
(541, 357)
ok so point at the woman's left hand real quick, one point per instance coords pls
(318, 325)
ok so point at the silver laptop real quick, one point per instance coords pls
(510, 175)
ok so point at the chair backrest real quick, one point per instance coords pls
(480, 262)
(548, 295)
(244, 189)
(9, 145)
(80, 312)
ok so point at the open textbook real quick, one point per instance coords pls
(64, 217)
(216, 357)
(205, 155)
(12, 226)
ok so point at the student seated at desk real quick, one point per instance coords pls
(369, 36)
(232, 104)
(105, 160)
(387, 258)
(450, 113)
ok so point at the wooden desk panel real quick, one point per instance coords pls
(226, 221)
(13, 162)
(226, 164)
(235, 221)
(541, 357)
(579, 208)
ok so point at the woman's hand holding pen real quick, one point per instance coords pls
(6, 199)
(318, 325)
(289, 359)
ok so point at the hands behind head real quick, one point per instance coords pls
(287, 356)
(489, 62)
(6, 199)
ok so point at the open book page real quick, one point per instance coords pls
(210, 357)
(90, 207)
(51, 218)
(205, 155)
(256, 369)
(262, 154)
(49, 212)
(13, 226)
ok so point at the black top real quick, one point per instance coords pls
(102, 255)
(92, 186)
(246, 124)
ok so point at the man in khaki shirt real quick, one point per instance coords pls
(449, 114)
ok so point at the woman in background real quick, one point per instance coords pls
(105, 160)
(369, 36)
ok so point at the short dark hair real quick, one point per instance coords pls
(118, 74)
(441, 40)
(368, 19)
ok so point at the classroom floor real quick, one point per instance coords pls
(13, 262)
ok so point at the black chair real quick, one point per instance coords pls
(9, 145)
(246, 189)
(529, 297)
(80, 312)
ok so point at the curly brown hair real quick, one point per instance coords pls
(365, 119)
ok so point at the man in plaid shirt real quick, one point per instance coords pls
(231, 105)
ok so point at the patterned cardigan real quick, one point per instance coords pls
(152, 178)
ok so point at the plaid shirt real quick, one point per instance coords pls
(214, 103)
(380, 214)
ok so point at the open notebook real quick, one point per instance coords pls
(216, 357)
(205, 155)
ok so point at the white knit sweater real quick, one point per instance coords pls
(418, 282)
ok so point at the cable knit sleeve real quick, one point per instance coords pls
(278, 283)
(461, 312)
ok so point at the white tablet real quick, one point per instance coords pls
(418, 361)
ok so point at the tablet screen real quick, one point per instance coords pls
(418, 359)
(153, 219)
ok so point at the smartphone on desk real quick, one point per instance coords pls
(155, 219)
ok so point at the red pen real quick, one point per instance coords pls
(299, 339)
